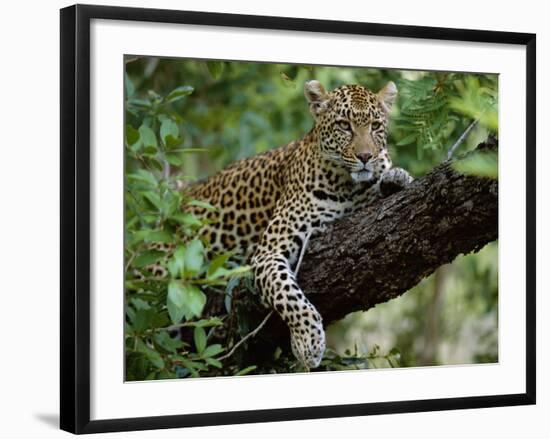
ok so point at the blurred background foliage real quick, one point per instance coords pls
(187, 119)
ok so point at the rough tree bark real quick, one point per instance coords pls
(382, 251)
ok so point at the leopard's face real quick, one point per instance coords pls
(351, 127)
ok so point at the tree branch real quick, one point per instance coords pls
(384, 250)
(461, 139)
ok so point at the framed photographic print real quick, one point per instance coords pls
(268, 218)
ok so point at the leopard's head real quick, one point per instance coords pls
(350, 125)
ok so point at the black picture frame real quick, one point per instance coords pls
(75, 217)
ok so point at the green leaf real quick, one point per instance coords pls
(213, 349)
(225, 273)
(132, 138)
(158, 236)
(175, 301)
(206, 323)
(148, 257)
(177, 296)
(228, 297)
(143, 319)
(154, 96)
(203, 204)
(187, 219)
(215, 68)
(166, 342)
(213, 362)
(199, 336)
(192, 366)
(184, 300)
(139, 303)
(194, 257)
(169, 132)
(148, 139)
(153, 162)
(150, 218)
(173, 142)
(154, 199)
(245, 370)
(152, 355)
(176, 263)
(218, 262)
(140, 104)
(195, 301)
(143, 176)
(179, 93)
(407, 140)
(129, 86)
(174, 159)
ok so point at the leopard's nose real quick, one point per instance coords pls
(364, 156)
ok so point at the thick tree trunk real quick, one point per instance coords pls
(382, 251)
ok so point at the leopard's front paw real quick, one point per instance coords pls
(308, 343)
(393, 181)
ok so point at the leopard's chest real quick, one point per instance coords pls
(331, 200)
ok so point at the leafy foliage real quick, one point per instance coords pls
(161, 311)
(479, 163)
(436, 108)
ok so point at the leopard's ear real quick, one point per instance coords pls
(317, 97)
(387, 96)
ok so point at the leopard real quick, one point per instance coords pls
(268, 206)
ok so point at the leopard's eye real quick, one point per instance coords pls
(375, 126)
(344, 125)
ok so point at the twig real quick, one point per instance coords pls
(175, 327)
(172, 327)
(246, 337)
(130, 260)
(266, 318)
(302, 252)
(461, 139)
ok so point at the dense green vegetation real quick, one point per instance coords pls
(187, 119)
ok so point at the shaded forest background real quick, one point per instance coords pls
(187, 119)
